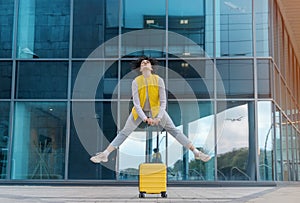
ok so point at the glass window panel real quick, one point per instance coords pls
(5, 78)
(276, 34)
(42, 80)
(279, 152)
(236, 141)
(86, 139)
(190, 79)
(149, 15)
(293, 142)
(196, 121)
(236, 78)
(262, 27)
(277, 86)
(6, 33)
(43, 29)
(97, 79)
(283, 94)
(264, 78)
(234, 28)
(290, 151)
(39, 140)
(284, 143)
(95, 22)
(4, 137)
(193, 20)
(265, 140)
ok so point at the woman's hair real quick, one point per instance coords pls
(137, 63)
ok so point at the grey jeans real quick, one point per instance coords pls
(165, 123)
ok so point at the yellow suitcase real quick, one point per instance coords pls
(152, 179)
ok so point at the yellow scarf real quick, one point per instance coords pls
(153, 94)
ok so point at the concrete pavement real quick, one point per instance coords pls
(287, 193)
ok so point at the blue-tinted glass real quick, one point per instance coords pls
(39, 140)
(140, 15)
(263, 79)
(236, 145)
(5, 78)
(262, 27)
(190, 79)
(95, 22)
(86, 140)
(43, 29)
(234, 27)
(235, 78)
(42, 80)
(284, 143)
(196, 121)
(192, 19)
(94, 79)
(6, 32)
(278, 147)
(4, 137)
(265, 140)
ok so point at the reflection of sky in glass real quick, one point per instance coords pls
(233, 132)
(201, 132)
(132, 151)
(265, 127)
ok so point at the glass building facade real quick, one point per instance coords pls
(239, 100)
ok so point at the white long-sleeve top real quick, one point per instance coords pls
(137, 104)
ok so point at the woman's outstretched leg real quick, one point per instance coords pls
(168, 125)
(129, 127)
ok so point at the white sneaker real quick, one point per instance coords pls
(203, 157)
(99, 157)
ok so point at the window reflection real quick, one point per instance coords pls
(149, 15)
(236, 78)
(6, 22)
(42, 80)
(5, 78)
(234, 27)
(264, 78)
(43, 29)
(290, 151)
(87, 141)
(262, 27)
(95, 22)
(284, 143)
(265, 140)
(103, 89)
(131, 155)
(194, 20)
(235, 141)
(197, 123)
(279, 174)
(39, 140)
(190, 79)
(4, 137)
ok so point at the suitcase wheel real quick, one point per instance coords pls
(142, 195)
(163, 194)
